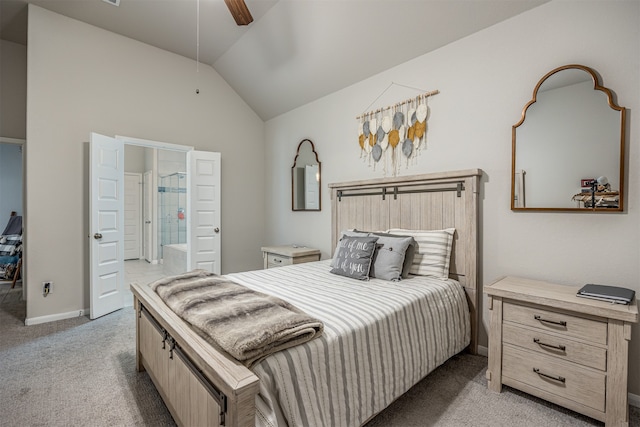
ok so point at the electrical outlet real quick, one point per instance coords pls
(47, 288)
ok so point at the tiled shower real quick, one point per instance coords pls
(172, 203)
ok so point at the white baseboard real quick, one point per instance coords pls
(53, 317)
(634, 400)
(483, 351)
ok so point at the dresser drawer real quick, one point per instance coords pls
(582, 385)
(275, 260)
(556, 322)
(556, 346)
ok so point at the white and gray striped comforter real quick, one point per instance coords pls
(380, 338)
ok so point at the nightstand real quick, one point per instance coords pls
(278, 256)
(572, 351)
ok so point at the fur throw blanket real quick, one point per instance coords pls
(248, 325)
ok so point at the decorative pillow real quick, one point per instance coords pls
(393, 256)
(354, 256)
(349, 233)
(433, 254)
(11, 239)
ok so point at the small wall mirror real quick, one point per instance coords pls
(568, 148)
(305, 178)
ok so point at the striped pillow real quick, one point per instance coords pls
(10, 245)
(433, 253)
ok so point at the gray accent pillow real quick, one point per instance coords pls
(354, 256)
(350, 233)
(393, 257)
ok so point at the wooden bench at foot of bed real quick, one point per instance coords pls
(200, 385)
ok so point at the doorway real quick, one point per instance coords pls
(11, 200)
(109, 287)
(150, 185)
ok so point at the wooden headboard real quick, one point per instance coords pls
(419, 202)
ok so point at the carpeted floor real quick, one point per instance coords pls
(82, 372)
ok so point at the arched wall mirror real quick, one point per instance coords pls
(568, 148)
(305, 178)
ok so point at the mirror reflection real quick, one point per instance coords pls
(305, 178)
(568, 148)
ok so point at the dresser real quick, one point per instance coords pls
(572, 351)
(278, 256)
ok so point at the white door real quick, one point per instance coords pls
(148, 215)
(132, 215)
(106, 225)
(203, 230)
(311, 187)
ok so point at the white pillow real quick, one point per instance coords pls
(433, 253)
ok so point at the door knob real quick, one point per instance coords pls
(217, 230)
(97, 236)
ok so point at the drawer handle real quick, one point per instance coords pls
(542, 374)
(277, 260)
(557, 347)
(555, 322)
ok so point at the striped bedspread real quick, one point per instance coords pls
(380, 338)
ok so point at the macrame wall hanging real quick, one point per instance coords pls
(394, 135)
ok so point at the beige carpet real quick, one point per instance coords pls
(81, 372)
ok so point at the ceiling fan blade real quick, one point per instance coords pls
(239, 11)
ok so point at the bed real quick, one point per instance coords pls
(376, 327)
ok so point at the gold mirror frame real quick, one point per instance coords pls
(295, 179)
(612, 104)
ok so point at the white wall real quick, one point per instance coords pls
(82, 79)
(484, 82)
(13, 87)
(134, 158)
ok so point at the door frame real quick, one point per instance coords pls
(128, 140)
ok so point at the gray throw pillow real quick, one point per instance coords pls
(354, 257)
(390, 258)
(350, 233)
(408, 255)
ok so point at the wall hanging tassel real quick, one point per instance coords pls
(395, 132)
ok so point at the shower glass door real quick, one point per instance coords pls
(172, 200)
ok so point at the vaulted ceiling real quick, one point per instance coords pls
(295, 51)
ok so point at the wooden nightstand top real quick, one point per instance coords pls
(290, 250)
(559, 296)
